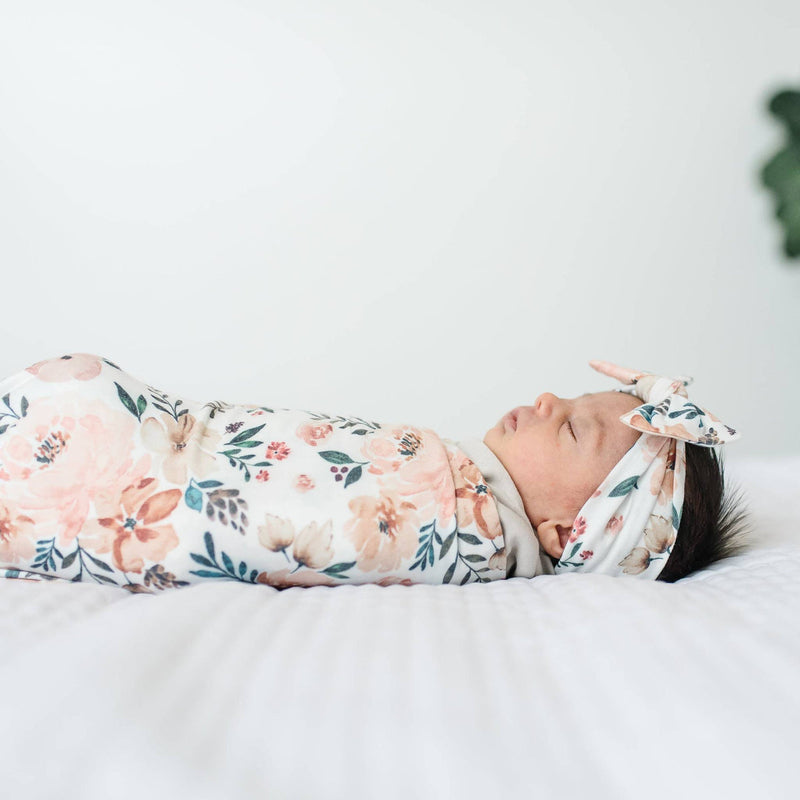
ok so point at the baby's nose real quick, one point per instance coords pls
(545, 403)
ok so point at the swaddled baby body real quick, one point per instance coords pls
(105, 478)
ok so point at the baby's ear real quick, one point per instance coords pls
(553, 535)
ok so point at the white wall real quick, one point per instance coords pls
(412, 211)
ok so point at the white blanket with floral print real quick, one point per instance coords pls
(105, 478)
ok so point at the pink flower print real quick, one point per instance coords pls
(578, 529)
(303, 483)
(312, 433)
(79, 367)
(597, 492)
(614, 525)
(263, 475)
(586, 554)
(381, 450)
(60, 454)
(421, 469)
(277, 450)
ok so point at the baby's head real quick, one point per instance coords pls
(559, 451)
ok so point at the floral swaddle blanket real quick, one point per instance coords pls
(104, 478)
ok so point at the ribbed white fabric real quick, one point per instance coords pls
(569, 686)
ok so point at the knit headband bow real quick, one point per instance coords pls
(630, 524)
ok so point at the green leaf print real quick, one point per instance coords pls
(23, 405)
(574, 550)
(209, 541)
(127, 401)
(240, 440)
(448, 543)
(625, 487)
(227, 570)
(336, 457)
(352, 476)
(336, 570)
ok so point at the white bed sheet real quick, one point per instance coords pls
(568, 686)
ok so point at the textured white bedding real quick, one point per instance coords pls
(560, 686)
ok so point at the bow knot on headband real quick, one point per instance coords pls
(630, 524)
(667, 410)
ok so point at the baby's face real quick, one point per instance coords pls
(558, 452)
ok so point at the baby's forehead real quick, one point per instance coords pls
(611, 399)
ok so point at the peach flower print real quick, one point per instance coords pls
(390, 580)
(276, 534)
(312, 546)
(132, 525)
(17, 534)
(183, 445)
(278, 451)
(676, 431)
(653, 445)
(498, 560)
(60, 454)
(636, 561)
(303, 483)
(263, 475)
(663, 480)
(313, 433)
(658, 535)
(384, 530)
(475, 500)
(79, 367)
(283, 578)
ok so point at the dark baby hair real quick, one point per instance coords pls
(713, 520)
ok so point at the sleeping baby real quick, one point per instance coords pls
(107, 479)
